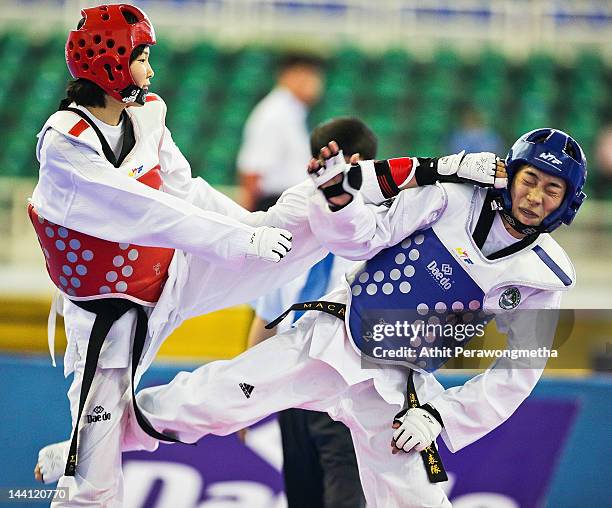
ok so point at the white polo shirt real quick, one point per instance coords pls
(276, 143)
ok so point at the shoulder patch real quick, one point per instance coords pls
(151, 97)
(550, 263)
(78, 128)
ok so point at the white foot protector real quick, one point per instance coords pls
(52, 461)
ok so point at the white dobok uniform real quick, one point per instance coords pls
(316, 365)
(81, 193)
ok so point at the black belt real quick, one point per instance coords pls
(431, 458)
(108, 311)
(333, 308)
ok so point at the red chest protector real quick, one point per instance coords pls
(87, 268)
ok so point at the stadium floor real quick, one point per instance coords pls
(559, 438)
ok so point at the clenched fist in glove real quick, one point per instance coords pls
(270, 244)
(416, 429)
(483, 168)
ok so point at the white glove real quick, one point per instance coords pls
(335, 167)
(269, 244)
(418, 429)
(474, 167)
(330, 168)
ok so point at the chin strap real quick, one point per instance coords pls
(518, 226)
(491, 205)
(134, 94)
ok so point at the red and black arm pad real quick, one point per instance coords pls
(393, 174)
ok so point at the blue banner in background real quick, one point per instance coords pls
(553, 452)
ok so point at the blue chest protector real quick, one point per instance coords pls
(418, 282)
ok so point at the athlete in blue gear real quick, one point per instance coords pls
(448, 253)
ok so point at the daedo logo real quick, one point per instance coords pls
(441, 275)
(100, 415)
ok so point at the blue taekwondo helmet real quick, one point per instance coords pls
(557, 154)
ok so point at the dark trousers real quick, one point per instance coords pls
(320, 468)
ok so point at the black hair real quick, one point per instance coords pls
(351, 134)
(289, 60)
(85, 92)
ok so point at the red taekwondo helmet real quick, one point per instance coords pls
(99, 50)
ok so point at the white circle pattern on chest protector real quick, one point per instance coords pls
(67, 270)
(440, 307)
(74, 244)
(363, 278)
(49, 232)
(118, 261)
(400, 259)
(60, 245)
(409, 270)
(378, 276)
(419, 239)
(133, 255)
(474, 305)
(72, 257)
(405, 287)
(127, 271)
(406, 243)
(124, 246)
(104, 290)
(422, 309)
(75, 282)
(372, 289)
(457, 306)
(87, 255)
(430, 337)
(413, 255)
(387, 288)
(121, 286)
(62, 232)
(111, 276)
(395, 274)
(356, 290)
(81, 270)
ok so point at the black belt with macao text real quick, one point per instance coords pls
(431, 458)
(108, 311)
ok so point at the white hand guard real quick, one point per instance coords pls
(418, 429)
(52, 461)
(474, 167)
(332, 167)
(269, 244)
